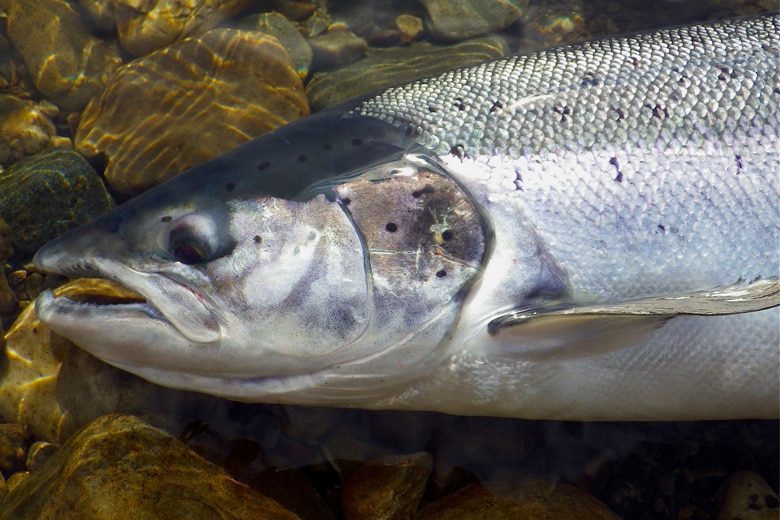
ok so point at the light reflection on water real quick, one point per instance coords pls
(609, 460)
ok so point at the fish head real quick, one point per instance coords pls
(347, 282)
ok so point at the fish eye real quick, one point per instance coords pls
(188, 255)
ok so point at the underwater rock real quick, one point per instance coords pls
(382, 68)
(147, 25)
(13, 446)
(283, 30)
(292, 489)
(26, 128)
(454, 20)
(101, 13)
(221, 89)
(747, 496)
(387, 487)
(529, 499)
(68, 65)
(411, 28)
(118, 464)
(72, 191)
(336, 47)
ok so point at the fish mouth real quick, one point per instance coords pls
(127, 294)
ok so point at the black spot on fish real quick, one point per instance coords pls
(633, 60)
(441, 274)
(263, 165)
(166, 218)
(497, 106)
(659, 111)
(302, 158)
(392, 227)
(357, 142)
(327, 147)
(257, 239)
(590, 79)
(661, 229)
(739, 163)
(564, 111)
(620, 114)
(432, 109)
(447, 235)
(346, 201)
(458, 151)
(230, 186)
(460, 104)
(619, 175)
(426, 190)
(518, 180)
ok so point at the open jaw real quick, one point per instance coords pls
(144, 300)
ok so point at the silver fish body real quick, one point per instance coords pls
(586, 232)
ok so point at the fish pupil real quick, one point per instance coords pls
(187, 255)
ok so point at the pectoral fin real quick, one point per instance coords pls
(584, 330)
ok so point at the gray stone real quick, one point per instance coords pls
(454, 20)
(336, 47)
(383, 68)
(289, 37)
(72, 191)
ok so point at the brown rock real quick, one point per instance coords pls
(454, 20)
(147, 25)
(119, 465)
(747, 496)
(68, 65)
(388, 487)
(13, 443)
(202, 97)
(529, 499)
(411, 27)
(336, 47)
(26, 127)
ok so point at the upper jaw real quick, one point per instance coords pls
(101, 256)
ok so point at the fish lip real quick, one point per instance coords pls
(197, 324)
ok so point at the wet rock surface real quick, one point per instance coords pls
(387, 487)
(288, 35)
(147, 25)
(382, 68)
(26, 128)
(73, 192)
(67, 63)
(119, 464)
(221, 89)
(747, 496)
(453, 20)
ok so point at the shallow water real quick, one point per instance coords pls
(641, 470)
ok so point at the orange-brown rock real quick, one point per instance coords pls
(175, 108)
(148, 25)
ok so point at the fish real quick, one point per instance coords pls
(587, 232)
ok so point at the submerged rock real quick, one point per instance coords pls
(118, 465)
(221, 90)
(26, 128)
(67, 63)
(529, 499)
(383, 68)
(387, 487)
(147, 25)
(72, 191)
(454, 20)
(747, 496)
(289, 37)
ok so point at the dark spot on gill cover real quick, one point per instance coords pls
(441, 274)
(302, 158)
(426, 189)
(230, 186)
(166, 218)
(346, 201)
(257, 239)
(263, 165)
(327, 147)
(391, 227)
(357, 142)
(447, 235)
